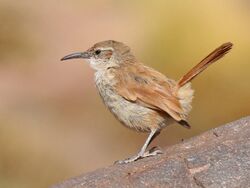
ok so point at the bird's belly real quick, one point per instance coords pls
(131, 114)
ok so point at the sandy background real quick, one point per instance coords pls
(53, 124)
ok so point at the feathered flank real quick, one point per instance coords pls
(185, 95)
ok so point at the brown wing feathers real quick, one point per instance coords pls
(152, 89)
(211, 58)
(141, 86)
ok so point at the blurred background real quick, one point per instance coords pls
(53, 124)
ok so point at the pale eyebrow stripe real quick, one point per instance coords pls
(109, 48)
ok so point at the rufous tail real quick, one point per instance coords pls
(210, 59)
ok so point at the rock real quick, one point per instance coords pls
(217, 158)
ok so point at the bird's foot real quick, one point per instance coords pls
(129, 160)
(152, 152)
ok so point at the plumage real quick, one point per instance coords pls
(143, 85)
(211, 58)
(139, 96)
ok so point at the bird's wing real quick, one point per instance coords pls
(149, 88)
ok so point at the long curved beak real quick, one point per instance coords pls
(77, 55)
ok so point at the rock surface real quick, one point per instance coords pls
(217, 158)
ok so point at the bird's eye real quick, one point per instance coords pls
(97, 52)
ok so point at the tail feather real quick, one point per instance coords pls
(184, 124)
(211, 58)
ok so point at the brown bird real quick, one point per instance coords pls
(140, 97)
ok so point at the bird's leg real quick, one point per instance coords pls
(142, 152)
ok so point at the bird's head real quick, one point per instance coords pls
(104, 55)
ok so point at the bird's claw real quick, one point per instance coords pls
(152, 152)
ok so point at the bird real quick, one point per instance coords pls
(140, 97)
